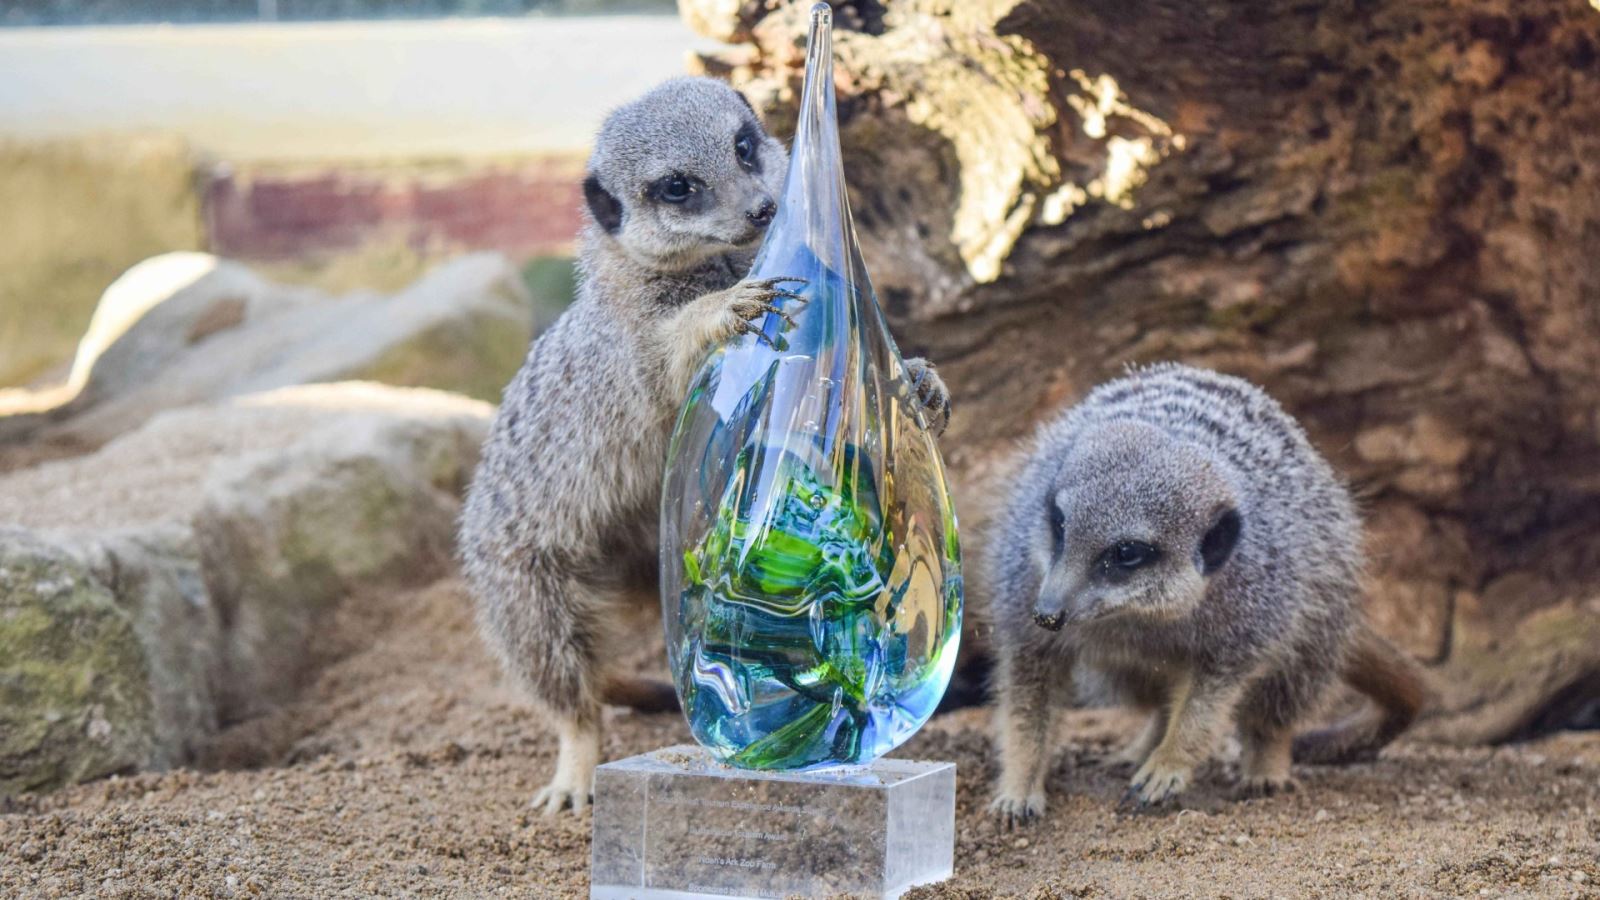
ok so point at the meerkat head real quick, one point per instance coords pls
(1135, 524)
(683, 174)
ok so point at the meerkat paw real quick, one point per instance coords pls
(750, 300)
(572, 787)
(1157, 782)
(555, 797)
(1265, 786)
(1014, 811)
(930, 393)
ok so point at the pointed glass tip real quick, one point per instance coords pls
(819, 44)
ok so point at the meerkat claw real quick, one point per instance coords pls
(930, 393)
(1129, 800)
(745, 327)
(1017, 812)
(773, 310)
(1249, 788)
(1156, 789)
(774, 282)
(552, 799)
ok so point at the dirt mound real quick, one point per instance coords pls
(407, 767)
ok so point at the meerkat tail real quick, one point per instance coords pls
(642, 694)
(1398, 690)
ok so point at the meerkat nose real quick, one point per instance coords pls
(1051, 621)
(762, 214)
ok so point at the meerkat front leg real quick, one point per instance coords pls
(707, 321)
(930, 393)
(1195, 714)
(1024, 723)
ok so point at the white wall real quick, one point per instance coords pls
(451, 87)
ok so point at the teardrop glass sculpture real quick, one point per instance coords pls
(810, 569)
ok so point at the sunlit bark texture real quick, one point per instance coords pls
(1386, 212)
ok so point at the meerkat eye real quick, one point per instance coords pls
(1130, 555)
(673, 189)
(744, 147)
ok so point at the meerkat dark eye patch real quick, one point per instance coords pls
(1219, 541)
(604, 207)
(676, 188)
(671, 189)
(747, 147)
(1128, 555)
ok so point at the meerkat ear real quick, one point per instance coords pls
(1218, 544)
(604, 207)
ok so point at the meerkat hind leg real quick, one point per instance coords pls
(1145, 742)
(1264, 760)
(573, 783)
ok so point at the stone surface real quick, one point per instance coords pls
(370, 498)
(189, 328)
(170, 582)
(675, 823)
(74, 682)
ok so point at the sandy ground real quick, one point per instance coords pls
(406, 768)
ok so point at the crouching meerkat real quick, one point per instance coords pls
(1175, 542)
(560, 524)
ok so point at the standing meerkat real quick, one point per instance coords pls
(560, 524)
(1176, 542)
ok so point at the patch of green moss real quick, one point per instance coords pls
(74, 686)
(475, 357)
(351, 532)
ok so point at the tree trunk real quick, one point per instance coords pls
(1385, 212)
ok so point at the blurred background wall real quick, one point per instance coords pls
(340, 144)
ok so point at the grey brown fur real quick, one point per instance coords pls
(1175, 543)
(560, 523)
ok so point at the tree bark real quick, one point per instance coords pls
(1385, 212)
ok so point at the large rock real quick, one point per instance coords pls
(74, 685)
(285, 536)
(188, 328)
(173, 580)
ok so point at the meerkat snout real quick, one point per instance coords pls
(761, 216)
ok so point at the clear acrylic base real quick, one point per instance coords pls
(678, 824)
